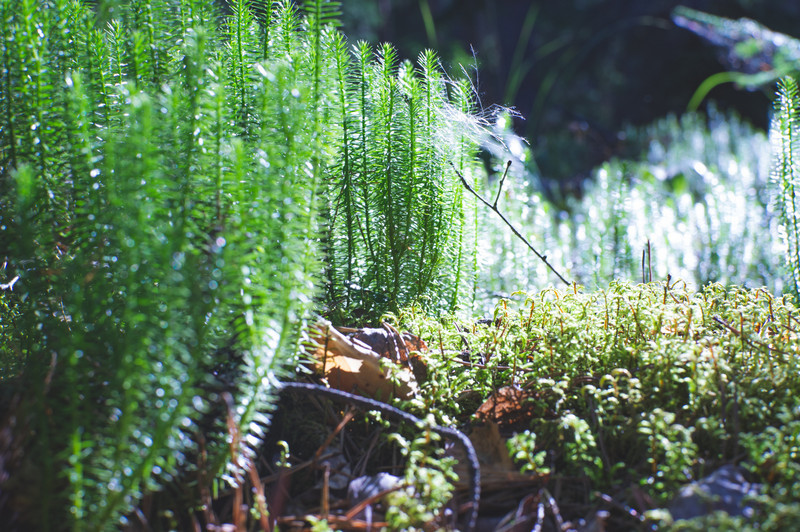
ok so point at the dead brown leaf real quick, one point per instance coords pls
(510, 406)
(352, 365)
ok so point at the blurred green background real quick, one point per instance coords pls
(578, 71)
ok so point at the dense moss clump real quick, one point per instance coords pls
(639, 388)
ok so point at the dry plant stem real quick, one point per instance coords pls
(326, 483)
(745, 338)
(355, 510)
(622, 506)
(493, 206)
(288, 471)
(261, 498)
(239, 509)
(294, 522)
(648, 278)
(239, 516)
(203, 482)
(348, 416)
(395, 414)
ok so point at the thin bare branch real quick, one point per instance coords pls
(543, 258)
(500, 187)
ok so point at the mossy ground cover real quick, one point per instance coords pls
(620, 397)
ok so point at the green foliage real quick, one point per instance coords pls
(651, 384)
(177, 186)
(672, 451)
(9, 348)
(696, 189)
(428, 483)
(142, 230)
(580, 445)
(168, 179)
(522, 448)
(784, 133)
(399, 220)
(759, 56)
(700, 198)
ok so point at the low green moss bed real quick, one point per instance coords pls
(636, 391)
(637, 407)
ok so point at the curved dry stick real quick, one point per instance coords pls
(493, 206)
(393, 413)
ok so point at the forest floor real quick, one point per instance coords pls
(620, 409)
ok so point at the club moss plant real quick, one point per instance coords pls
(179, 186)
(697, 189)
(785, 176)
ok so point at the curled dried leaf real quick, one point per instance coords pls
(352, 365)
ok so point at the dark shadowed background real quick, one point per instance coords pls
(578, 71)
